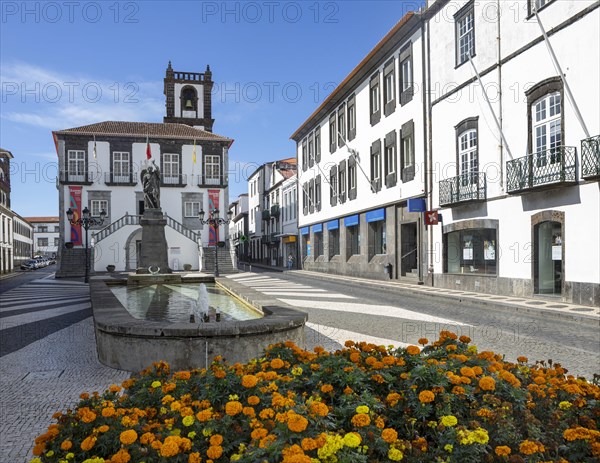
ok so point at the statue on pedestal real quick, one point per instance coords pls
(151, 186)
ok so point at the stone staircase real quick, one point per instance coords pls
(71, 263)
(225, 263)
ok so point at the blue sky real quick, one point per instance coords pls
(66, 64)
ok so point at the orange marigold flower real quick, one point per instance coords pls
(66, 445)
(319, 408)
(528, 447)
(355, 357)
(84, 396)
(277, 363)
(216, 439)
(214, 452)
(522, 359)
(297, 423)
(426, 396)
(182, 375)
(348, 390)
(487, 383)
(253, 400)
(122, 456)
(220, 374)
(170, 446)
(423, 341)
(128, 437)
(326, 388)
(413, 350)
(147, 438)
(259, 433)
(88, 443)
(467, 371)
(233, 408)
(204, 415)
(502, 450)
(361, 420)
(194, 458)
(389, 435)
(349, 343)
(249, 381)
(308, 444)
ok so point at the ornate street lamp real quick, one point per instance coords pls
(86, 221)
(215, 221)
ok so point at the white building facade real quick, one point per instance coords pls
(100, 166)
(360, 163)
(515, 154)
(23, 243)
(239, 228)
(289, 222)
(6, 214)
(46, 235)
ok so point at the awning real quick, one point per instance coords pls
(351, 221)
(376, 215)
(333, 224)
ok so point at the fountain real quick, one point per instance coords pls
(186, 320)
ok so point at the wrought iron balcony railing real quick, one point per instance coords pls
(173, 179)
(549, 167)
(275, 210)
(76, 178)
(470, 186)
(266, 214)
(120, 178)
(590, 157)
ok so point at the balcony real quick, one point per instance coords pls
(76, 178)
(463, 188)
(266, 214)
(555, 166)
(173, 180)
(110, 178)
(275, 210)
(590, 157)
(270, 239)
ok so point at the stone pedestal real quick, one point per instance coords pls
(154, 244)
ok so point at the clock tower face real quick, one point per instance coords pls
(188, 98)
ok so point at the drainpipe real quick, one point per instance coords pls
(429, 144)
(501, 117)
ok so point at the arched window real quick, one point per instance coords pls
(189, 99)
(546, 123)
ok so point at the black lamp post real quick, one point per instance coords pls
(215, 221)
(86, 221)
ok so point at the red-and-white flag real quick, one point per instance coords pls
(148, 150)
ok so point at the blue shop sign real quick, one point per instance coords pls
(416, 205)
(318, 228)
(304, 231)
(351, 221)
(376, 215)
(333, 224)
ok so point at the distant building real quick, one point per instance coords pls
(238, 228)
(22, 240)
(100, 166)
(6, 214)
(46, 235)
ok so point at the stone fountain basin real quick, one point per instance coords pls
(126, 343)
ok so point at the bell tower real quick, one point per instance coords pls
(188, 98)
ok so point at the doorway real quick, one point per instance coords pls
(408, 248)
(548, 258)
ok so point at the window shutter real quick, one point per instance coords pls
(311, 201)
(391, 177)
(332, 182)
(332, 133)
(318, 144)
(318, 193)
(408, 172)
(342, 173)
(406, 95)
(376, 159)
(375, 115)
(390, 106)
(352, 191)
(305, 199)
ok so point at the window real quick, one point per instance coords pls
(311, 150)
(351, 118)
(311, 196)
(465, 33)
(318, 244)
(212, 170)
(304, 155)
(353, 237)
(351, 178)
(533, 5)
(376, 165)
(42, 229)
(342, 125)
(332, 134)
(546, 129)
(170, 174)
(342, 182)
(389, 87)
(318, 193)
(390, 159)
(121, 170)
(191, 208)
(42, 241)
(97, 206)
(406, 75)
(467, 154)
(377, 243)
(56, 229)
(305, 199)
(408, 151)
(76, 166)
(333, 186)
(56, 241)
(305, 244)
(334, 242)
(318, 144)
(374, 100)
(470, 251)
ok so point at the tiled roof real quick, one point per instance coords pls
(41, 219)
(288, 161)
(145, 129)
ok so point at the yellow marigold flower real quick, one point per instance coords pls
(448, 421)
(156, 384)
(214, 452)
(297, 371)
(448, 448)
(66, 445)
(564, 405)
(35, 460)
(188, 420)
(297, 423)
(426, 396)
(480, 436)
(502, 450)
(249, 381)
(352, 439)
(389, 435)
(413, 350)
(277, 363)
(487, 383)
(233, 408)
(362, 409)
(395, 454)
(360, 420)
(128, 437)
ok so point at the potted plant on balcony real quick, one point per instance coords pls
(69, 245)
(110, 268)
(187, 267)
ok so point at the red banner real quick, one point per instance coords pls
(431, 218)
(213, 203)
(75, 205)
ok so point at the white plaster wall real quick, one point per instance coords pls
(365, 136)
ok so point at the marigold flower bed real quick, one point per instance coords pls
(446, 402)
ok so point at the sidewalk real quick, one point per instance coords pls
(545, 307)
